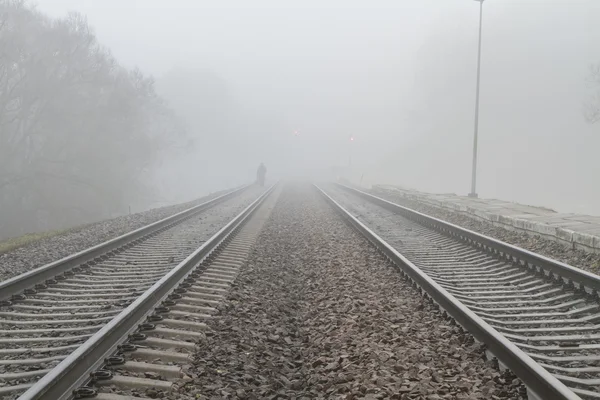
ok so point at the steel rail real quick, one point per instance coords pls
(511, 253)
(74, 371)
(534, 376)
(19, 283)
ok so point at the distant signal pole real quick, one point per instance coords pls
(350, 155)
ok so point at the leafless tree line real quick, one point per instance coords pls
(79, 134)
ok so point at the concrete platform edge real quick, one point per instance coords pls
(572, 238)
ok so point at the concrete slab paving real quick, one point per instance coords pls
(575, 230)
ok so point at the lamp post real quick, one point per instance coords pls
(474, 168)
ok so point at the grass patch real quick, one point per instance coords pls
(19, 241)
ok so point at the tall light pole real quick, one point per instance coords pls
(474, 168)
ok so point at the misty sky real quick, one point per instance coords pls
(397, 75)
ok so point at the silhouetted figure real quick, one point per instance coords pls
(260, 174)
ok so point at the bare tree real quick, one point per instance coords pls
(592, 107)
(79, 134)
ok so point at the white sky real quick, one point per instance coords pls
(399, 75)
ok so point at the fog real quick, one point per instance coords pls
(289, 83)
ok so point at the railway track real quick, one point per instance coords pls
(537, 316)
(48, 313)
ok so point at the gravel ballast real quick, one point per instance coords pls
(575, 257)
(44, 251)
(318, 313)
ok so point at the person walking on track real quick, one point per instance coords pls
(260, 174)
